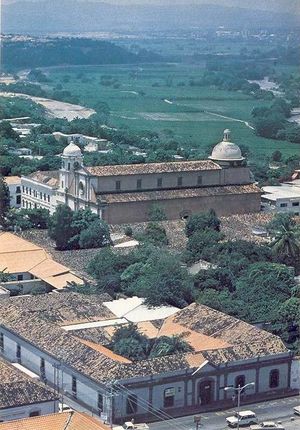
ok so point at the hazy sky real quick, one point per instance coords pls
(274, 5)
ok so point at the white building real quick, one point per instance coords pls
(14, 185)
(65, 338)
(282, 198)
(21, 395)
(39, 190)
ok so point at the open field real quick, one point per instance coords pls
(159, 97)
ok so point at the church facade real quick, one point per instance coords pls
(125, 193)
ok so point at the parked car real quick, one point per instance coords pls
(129, 425)
(267, 425)
(297, 410)
(245, 418)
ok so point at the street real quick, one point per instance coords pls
(275, 410)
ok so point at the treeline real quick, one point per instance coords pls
(249, 281)
(56, 52)
(235, 76)
(272, 122)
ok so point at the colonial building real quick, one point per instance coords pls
(14, 186)
(29, 267)
(20, 395)
(125, 193)
(65, 338)
(39, 190)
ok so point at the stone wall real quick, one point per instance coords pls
(224, 205)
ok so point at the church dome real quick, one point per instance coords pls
(72, 150)
(226, 150)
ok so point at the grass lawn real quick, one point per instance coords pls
(158, 97)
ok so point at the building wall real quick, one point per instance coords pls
(282, 205)
(15, 195)
(24, 411)
(137, 211)
(152, 389)
(37, 195)
(170, 180)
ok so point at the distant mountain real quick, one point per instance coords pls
(80, 16)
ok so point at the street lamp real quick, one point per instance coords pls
(239, 390)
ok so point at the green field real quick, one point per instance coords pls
(141, 98)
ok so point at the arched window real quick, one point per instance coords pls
(81, 188)
(274, 378)
(239, 381)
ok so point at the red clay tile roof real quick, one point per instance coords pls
(184, 193)
(150, 168)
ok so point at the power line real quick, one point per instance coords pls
(146, 405)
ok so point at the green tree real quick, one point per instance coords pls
(107, 268)
(4, 201)
(166, 345)
(128, 342)
(202, 221)
(285, 240)
(155, 234)
(203, 244)
(95, 236)
(60, 228)
(162, 281)
(156, 213)
(262, 288)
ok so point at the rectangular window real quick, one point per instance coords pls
(159, 182)
(131, 404)
(34, 413)
(74, 386)
(169, 396)
(138, 184)
(179, 181)
(295, 204)
(23, 188)
(18, 353)
(199, 180)
(1, 342)
(18, 200)
(100, 402)
(41, 195)
(18, 190)
(30, 191)
(283, 205)
(19, 277)
(118, 185)
(42, 368)
(48, 198)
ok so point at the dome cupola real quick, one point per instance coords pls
(226, 151)
(72, 150)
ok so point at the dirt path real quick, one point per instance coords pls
(56, 108)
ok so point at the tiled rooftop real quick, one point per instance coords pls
(62, 421)
(215, 337)
(47, 177)
(179, 193)
(17, 389)
(150, 168)
(18, 255)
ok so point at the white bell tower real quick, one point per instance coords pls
(71, 160)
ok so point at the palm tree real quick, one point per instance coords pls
(286, 239)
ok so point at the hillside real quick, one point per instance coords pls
(57, 52)
(88, 16)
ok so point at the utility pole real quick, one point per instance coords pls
(239, 391)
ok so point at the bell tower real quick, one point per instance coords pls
(71, 160)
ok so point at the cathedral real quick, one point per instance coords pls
(125, 193)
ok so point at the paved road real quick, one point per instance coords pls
(275, 410)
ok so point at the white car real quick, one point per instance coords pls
(245, 418)
(267, 425)
(297, 410)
